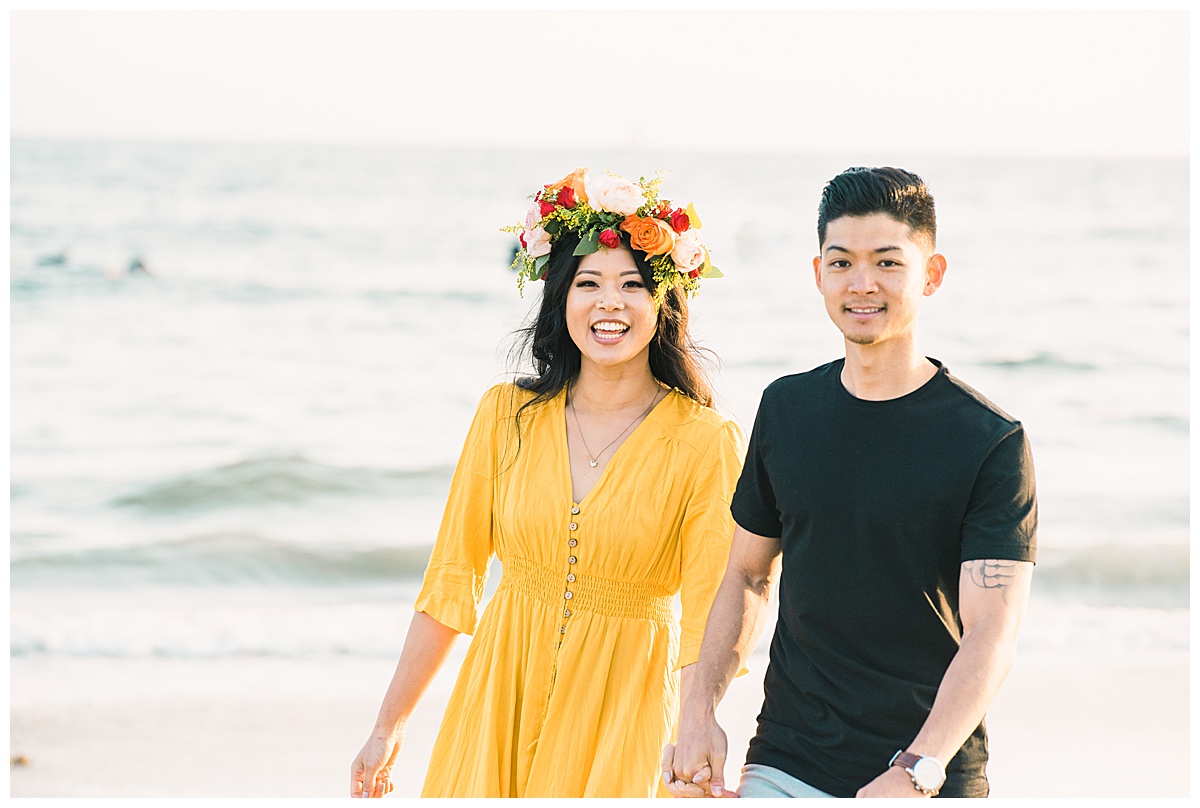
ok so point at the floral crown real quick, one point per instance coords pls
(595, 208)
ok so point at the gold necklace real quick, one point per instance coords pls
(594, 459)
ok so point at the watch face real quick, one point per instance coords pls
(929, 774)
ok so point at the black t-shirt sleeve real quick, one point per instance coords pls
(753, 504)
(1001, 518)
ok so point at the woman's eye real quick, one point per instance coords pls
(635, 284)
(582, 284)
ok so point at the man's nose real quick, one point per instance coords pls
(862, 281)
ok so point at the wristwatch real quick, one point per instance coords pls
(927, 773)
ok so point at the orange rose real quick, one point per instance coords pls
(651, 236)
(574, 181)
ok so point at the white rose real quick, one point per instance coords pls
(537, 242)
(533, 216)
(688, 253)
(612, 193)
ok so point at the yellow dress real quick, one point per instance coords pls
(570, 686)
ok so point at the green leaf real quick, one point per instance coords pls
(539, 267)
(551, 226)
(711, 271)
(588, 244)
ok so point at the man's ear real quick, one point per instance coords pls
(817, 272)
(935, 272)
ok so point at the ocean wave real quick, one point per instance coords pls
(1156, 575)
(288, 479)
(222, 559)
(1043, 360)
(1171, 423)
(179, 629)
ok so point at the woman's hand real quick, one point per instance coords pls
(425, 650)
(371, 772)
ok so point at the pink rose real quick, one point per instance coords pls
(688, 253)
(533, 216)
(537, 242)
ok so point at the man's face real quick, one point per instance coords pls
(873, 274)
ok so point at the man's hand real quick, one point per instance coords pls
(695, 766)
(895, 782)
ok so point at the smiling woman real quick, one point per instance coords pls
(600, 520)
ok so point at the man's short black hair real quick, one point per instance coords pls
(862, 191)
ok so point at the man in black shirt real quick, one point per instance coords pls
(895, 508)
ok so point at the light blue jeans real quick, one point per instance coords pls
(765, 781)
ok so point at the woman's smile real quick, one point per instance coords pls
(609, 332)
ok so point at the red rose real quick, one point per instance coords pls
(695, 273)
(610, 239)
(521, 238)
(546, 207)
(566, 196)
(679, 220)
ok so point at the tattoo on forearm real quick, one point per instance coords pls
(991, 573)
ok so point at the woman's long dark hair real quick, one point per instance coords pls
(674, 358)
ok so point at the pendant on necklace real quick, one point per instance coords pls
(593, 462)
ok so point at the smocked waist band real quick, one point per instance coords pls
(631, 599)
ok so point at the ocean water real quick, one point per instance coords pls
(247, 450)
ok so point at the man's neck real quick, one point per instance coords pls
(885, 371)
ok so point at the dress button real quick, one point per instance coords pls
(573, 542)
(575, 510)
(566, 612)
(568, 596)
(562, 629)
(571, 578)
(574, 526)
(572, 560)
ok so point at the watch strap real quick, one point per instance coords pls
(905, 760)
(908, 761)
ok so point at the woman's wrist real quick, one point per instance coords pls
(388, 730)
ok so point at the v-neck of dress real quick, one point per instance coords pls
(566, 447)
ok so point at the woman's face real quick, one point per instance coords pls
(610, 313)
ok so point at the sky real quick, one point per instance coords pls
(1018, 82)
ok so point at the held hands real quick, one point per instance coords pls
(695, 766)
(895, 782)
(371, 771)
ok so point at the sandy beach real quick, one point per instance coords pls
(273, 727)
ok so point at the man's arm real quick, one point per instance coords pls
(992, 594)
(734, 625)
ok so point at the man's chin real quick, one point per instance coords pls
(861, 339)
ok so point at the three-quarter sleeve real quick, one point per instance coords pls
(706, 535)
(457, 570)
